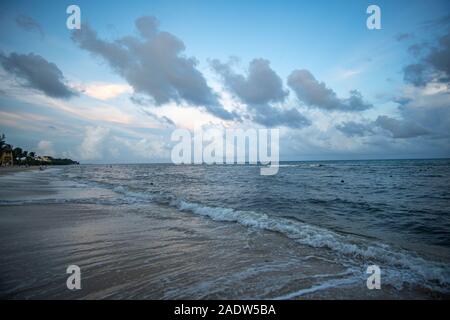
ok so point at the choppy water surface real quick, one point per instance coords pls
(405, 199)
(395, 214)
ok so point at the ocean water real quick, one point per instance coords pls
(405, 201)
(392, 213)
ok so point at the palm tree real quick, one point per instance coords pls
(17, 153)
(2, 141)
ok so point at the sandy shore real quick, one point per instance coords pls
(9, 170)
(132, 255)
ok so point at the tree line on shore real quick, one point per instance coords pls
(17, 156)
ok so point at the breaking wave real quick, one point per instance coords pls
(399, 266)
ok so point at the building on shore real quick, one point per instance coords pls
(43, 159)
(6, 156)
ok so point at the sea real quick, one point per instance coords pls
(318, 223)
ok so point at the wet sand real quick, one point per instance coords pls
(155, 252)
(126, 255)
(14, 169)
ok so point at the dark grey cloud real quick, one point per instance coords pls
(270, 116)
(261, 85)
(433, 66)
(27, 23)
(317, 94)
(430, 111)
(35, 72)
(422, 112)
(425, 114)
(400, 128)
(353, 129)
(439, 58)
(154, 64)
(259, 89)
(416, 74)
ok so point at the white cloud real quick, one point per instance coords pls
(148, 148)
(344, 74)
(45, 148)
(105, 91)
(91, 148)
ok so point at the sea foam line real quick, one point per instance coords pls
(322, 286)
(399, 265)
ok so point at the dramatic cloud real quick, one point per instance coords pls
(353, 129)
(416, 74)
(271, 117)
(316, 94)
(258, 90)
(261, 86)
(424, 103)
(428, 106)
(434, 66)
(29, 24)
(400, 128)
(439, 58)
(153, 64)
(37, 73)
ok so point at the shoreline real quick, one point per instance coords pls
(128, 254)
(148, 251)
(14, 169)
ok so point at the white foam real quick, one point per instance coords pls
(136, 195)
(322, 286)
(399, 266)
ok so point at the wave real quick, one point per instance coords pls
(321, 286)
(399, 266)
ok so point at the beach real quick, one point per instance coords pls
(12, 169)
(131, 247)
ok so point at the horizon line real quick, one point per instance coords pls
(312, 160)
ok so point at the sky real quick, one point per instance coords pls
(114, 90)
